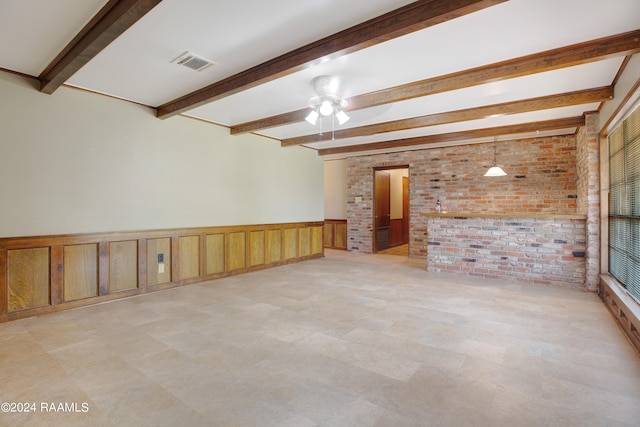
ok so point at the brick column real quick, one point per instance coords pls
(360, 205)
(588, 168)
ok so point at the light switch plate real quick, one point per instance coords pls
(161, 268)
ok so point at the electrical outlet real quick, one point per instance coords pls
(160, 258)
(161, 268)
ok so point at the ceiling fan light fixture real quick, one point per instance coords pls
(327, 103)
(341, 116)
(312, 117)
(326, 108)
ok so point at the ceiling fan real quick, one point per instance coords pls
(327, 102)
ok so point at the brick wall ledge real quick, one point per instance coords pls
(503, 215)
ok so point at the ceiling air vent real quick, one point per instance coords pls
(193, 61)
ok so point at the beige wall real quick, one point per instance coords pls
(395, 193)
(335, 189)
(76, 162)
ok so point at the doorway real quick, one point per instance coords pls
(391, 210)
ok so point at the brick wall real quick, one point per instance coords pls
(542, 251)
(588, 185)
(541, 178)
(582, 168)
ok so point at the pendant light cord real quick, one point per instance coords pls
(495, 151)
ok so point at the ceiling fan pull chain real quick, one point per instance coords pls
(333, 127)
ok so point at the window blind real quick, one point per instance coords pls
(624, 203)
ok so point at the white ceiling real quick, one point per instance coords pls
(244, 33)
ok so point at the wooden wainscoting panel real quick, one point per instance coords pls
(4, 285)
(142, 263)
(329, 234)
(341, 235)
(103, 268)
(28, 278)
(47, 274)
(273, 248)
(156, 247)
(215, 253)
(316, 240)
(80, 272)
(123, 266)
(57, 276)
(304, 242)
(256, 248)
(189, 257)
(175, 266)
(335, 233)
(237, 250)
(290, 243)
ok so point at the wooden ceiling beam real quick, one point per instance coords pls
(412, 17)
(595, 50)
(476, 113)
(114, 18)
(459, 136)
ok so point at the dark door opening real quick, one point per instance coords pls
(391, 210)
(382, 209)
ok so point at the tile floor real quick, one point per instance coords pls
(347, 340)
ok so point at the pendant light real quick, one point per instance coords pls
(495, 170)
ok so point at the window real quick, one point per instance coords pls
(624, 203)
